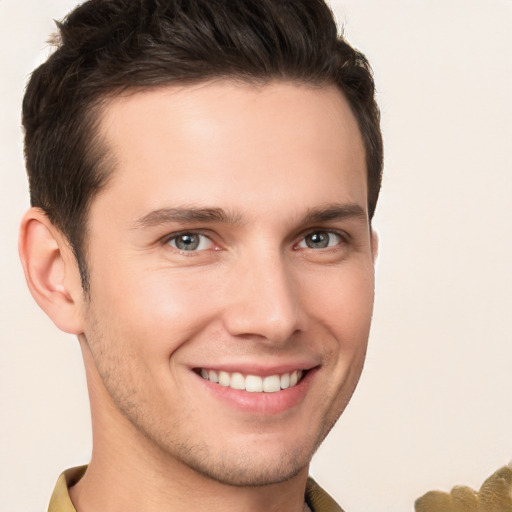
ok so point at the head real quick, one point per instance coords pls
(207, 172)
(106, 47)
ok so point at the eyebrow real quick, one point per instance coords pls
(320, 214)
(332, 212)
(168, 215)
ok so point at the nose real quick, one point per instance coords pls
(264, 300)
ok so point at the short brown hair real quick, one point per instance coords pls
(107, 46)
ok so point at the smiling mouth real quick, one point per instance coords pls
(253, 383)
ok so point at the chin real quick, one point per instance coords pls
(245, 472)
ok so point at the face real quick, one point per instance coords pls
(231, 273)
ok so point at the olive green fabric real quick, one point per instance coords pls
(60, 501)
(317, 499)
(495, 495)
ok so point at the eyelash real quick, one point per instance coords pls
(343, 239)
(174, 236)
(341, 235)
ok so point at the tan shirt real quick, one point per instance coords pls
(317, 499)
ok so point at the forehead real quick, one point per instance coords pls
(207, 142)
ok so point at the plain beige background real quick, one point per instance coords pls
(434, 406)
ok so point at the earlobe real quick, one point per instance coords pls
(51, 271)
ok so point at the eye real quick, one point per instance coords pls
(320, 240)
(190, 242)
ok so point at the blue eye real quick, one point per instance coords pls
(320, 240)
(190, 242)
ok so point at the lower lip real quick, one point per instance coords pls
(262, 403)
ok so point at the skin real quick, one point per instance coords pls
(278, 163)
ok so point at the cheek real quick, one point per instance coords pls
(344, 303)
(155, 311)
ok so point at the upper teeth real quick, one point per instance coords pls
(253, 383)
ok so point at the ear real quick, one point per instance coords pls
(374, 240)
(51, 271)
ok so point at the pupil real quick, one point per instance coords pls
(318, 240)
(187, 242)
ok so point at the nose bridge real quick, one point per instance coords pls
(264, 299)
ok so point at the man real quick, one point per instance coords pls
(203, 176)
